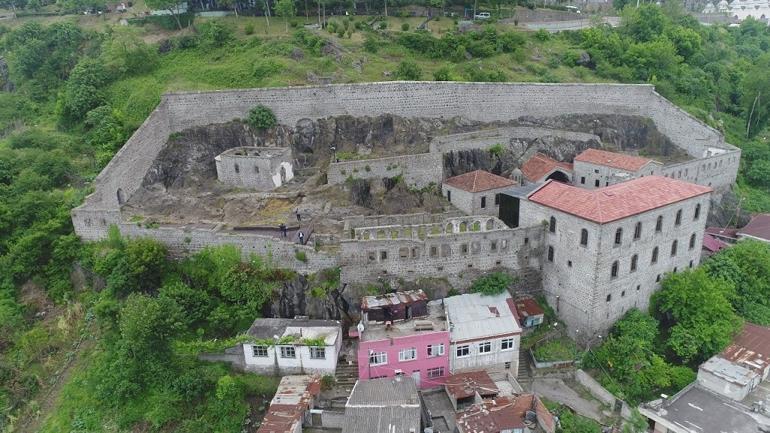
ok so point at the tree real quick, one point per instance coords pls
(285, 9)
(124, 52)
(408, 70)
(169, 5)
(492, 284)
(261, 117)
(233, 4)
(83, 91)
(696, 313)
(756, 95)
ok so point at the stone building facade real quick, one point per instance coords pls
(262, 168)
(476, 193)
(606, 250)
(596, 168)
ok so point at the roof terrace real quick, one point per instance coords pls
(433, 322)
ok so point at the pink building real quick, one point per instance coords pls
(416, 347)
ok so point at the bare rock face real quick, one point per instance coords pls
(5, 81)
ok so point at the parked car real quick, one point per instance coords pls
(573, 9)
(482, 16)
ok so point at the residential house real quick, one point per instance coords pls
(541, 167)
(292, 346)
(391, 307)
(416, 347)
(291, 405)
(595, 168)
(528, 312)
(465, 389)
(523, 413)
(477, 192)
(386, 405)
(484, 333)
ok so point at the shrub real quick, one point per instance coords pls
(327, 382)
(301, 256)
(249, 29)
(408, 70)
(492, 284)
(383, 25)
(261, 117)
(542, 35)
(442, 74)
(405, 27)
(496, 150)
(216, 34)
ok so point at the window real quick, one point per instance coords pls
(678, 220)
(550, 253)
(485, 347)
(435, 350)
(596, 171)
(584, 237)
(638, 287)
(483, 202)
(634, 261)
(596, 183)
(259, 351)
(697, 212)
(378, 358)
(463, 351)
(614, 271)
(654, 255)
(552, 225)
(692, 241)
(508, 365)
(288, 352)
(657, 279)
(497, 199)
(638, 230)
(507, 344)
(623, 294)
(256, 169)
(618, 236)
(659, 224)
(569, 263)
(317, 353)
(237, 169)
(582, 180)
(409, 354)
(383, 255)
(691, 263)
(449, 196)
(609, 298)
(435, 372)
(673, 247)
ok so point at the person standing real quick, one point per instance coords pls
(301, 237)
(283, 229)
(299, 217)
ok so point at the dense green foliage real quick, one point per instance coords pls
(630, 363)
(261, 117)
(492, 284)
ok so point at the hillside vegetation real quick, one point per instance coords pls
(81, 90)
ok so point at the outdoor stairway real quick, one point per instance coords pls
(347, 374)
(524, 374)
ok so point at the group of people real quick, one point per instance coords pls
(284, 229)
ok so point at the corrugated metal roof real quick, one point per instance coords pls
(406, 297)
(385, 405)
(292, 398)
(384, 392)
(464, 385)
(750, 348)
(470, 316)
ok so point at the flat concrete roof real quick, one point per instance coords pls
(404, 328)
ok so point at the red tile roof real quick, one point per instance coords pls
(758, 227)
(750, 348)
(713, 244)
(479, 180)
(612, 159)
(464, 385)
(618, 201)
(504, 413)
(541, 165)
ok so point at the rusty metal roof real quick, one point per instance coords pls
(528, 307)
(292, 398)
(751, 348)
(503, 414)
(379, 301)
(464, 385)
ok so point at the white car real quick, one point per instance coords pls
(482, 16)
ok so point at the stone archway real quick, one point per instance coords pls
(559, 176)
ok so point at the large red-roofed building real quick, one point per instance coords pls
(606, 250)
(596, 168)
(476, 192)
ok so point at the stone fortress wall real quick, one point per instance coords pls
(487, 102)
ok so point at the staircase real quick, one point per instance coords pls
(347, 375)
(524, 375)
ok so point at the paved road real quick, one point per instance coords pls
(558, 391)
(557, 26)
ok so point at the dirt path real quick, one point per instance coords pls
(47, 399)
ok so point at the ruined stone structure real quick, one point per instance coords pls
(262, 168)
(443, 245)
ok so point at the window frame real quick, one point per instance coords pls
(674, 247)
(659, 224)
(615, 269)
(315, 350)
(583, 237)
(254, 348)
(485, 347)
(435, 372)
(285, 350)
(436, 350)
(402, 354)
(508, 341)
(638, 230)
(618, 237)
(483, 202)
(383, 356)
(462, 347)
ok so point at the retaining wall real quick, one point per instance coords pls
(417, 170)
(600, 393)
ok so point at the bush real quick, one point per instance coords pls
(442, 74)
(492, 284)
(383, 25)
(327, 382)
(216, 34)
(408, 70)
(301, 256)
(405, 27)
(261, 117)
(249, 29)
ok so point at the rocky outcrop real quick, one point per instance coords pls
(5, 80)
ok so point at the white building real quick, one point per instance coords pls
(292, 346)
(484, 333)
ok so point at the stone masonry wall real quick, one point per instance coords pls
(487, 138)
(418, 170)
